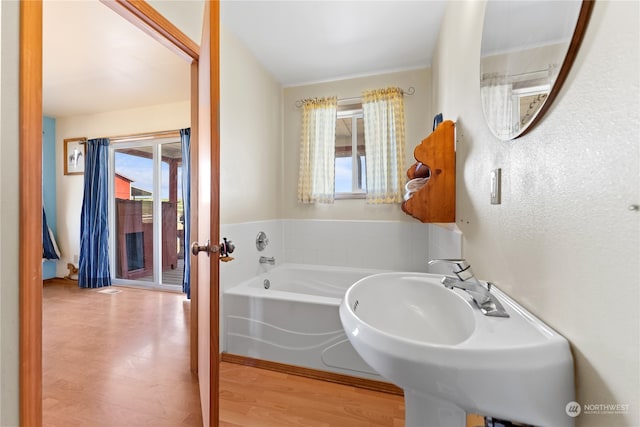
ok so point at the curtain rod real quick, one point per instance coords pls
(409, 91)
(140, 136)
(526, 73)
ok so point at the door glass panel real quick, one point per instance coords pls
(172, 214)
(133, 191)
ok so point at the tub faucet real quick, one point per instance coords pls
(267, 260)
(465, 280)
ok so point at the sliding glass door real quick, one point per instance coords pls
(147, 213)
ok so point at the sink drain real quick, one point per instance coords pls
(267, 284)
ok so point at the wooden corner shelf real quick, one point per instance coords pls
(436, 200)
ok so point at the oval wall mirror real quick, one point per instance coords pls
(527, 50)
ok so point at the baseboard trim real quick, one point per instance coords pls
(58, 281)
(348, 380)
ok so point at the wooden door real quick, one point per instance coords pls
(207, 161)
(30, 232)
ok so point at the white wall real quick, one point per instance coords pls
(418, 123)
(186, 15)
(563, 242)
(383, 245)
(9, 214)
(70, 187)
(250, 135)
(246, 256)
(387, 245)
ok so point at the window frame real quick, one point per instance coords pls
(354, 113)
(156, 144)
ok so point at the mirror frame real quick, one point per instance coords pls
(574, 46)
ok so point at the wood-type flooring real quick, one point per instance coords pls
(123, 360)
(116, 359)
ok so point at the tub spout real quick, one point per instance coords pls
(267, 260)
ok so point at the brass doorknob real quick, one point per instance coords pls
(196, 248)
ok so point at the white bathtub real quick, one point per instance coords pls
(296, 320)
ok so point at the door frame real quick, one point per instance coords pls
(143, 16)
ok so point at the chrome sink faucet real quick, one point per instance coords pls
(465, 280)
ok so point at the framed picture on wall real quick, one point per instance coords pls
(74, 156)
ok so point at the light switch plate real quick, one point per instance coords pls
(496, 186)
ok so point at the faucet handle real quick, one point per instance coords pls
(460, 267)
(453, 261)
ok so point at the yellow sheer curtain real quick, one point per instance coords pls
(317, 151)
(384, 144)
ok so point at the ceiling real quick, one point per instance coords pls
(302, 42)
(95, 61)
(515, 25)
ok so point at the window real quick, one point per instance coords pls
(350, 158)
(527, 102)
(335, 155)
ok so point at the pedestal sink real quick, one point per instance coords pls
(450, 359)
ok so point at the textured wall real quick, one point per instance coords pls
(563, 242)
(9, 214)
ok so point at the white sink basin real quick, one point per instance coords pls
(450, 359)
(423, 311)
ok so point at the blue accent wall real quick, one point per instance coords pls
(49, 184)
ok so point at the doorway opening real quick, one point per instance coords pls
(144, 17)
(147, 213)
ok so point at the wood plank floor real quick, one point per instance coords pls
(262, 398)
(116, 359)
(122, 360)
